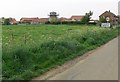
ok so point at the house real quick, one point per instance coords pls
(110, 17)
(30, 20)
(43, 20)
(12, 21)
(72, 18)
(63, 19)
(76, 18)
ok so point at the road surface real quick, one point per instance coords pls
(102, 64)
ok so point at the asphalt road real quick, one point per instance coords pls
(102, 64)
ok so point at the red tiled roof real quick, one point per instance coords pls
(76, 17)
(43, 20)
(30, 19)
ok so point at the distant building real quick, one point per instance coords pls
(63, 19)
(13, 21)
(76, 18)
(30, 20)
(53, 17)
(73, 18)
(107, 15)
(44, 20)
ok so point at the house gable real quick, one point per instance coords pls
(113, 19)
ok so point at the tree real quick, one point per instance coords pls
(87, 17)
(7, 21)
(53, 20)
(102, 20)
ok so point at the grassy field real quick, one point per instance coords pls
(31, 50)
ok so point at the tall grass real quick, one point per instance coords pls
(33, 59)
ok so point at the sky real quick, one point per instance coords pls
(65, 8)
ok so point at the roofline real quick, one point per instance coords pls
(108, 12)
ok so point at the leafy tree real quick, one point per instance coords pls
(87, 17)
(53, 20)
(102, 20)
(7, 21)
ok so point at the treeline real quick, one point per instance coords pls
(73, 23)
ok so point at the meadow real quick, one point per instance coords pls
(31, 50)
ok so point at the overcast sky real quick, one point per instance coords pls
(65, 8)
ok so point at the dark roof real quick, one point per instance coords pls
(53, 14)
(108, 12)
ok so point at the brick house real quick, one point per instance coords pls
(43, 20)
(30, 20)
(13, 21)
(113, 19)
(72, 18)
(63, 19)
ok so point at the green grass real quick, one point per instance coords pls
(47, 46)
